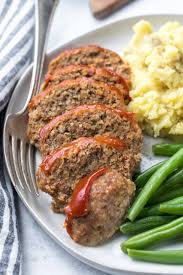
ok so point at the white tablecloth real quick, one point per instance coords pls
(41, 255)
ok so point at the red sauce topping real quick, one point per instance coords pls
(76, 146)
(87, 70)
(49, 160)
(111, 141)
(79, 110)
(79, 204)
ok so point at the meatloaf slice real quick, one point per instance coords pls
(91, 120)
(98, 74)
(63, 168)
(69, 93)
(92, 55)
(98, 206)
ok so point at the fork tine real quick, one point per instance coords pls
(14, 143)
(23, 163)
(30, 168)
(8, 162)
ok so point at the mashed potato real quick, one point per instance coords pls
(156, 60)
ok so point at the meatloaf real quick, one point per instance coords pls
(98, 206)
(63, 168)
(91, 120)
(78, 71)
(69, 93)
(92, 55)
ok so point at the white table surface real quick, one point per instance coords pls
(41, 255)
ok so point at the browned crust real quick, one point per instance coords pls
(84, 108)
(104, 75)
(109, 199)
(64, 167)
(78, 50)
(87, 49)
(81, 82)
(78, 145)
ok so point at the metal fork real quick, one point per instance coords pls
(18, 153)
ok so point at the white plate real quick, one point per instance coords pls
(107, 257)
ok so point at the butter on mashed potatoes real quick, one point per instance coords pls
(156, 60)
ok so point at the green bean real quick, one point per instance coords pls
(175, 201)
(175, 180)
(154, 236)
(151, 211)
(145, 176)
(166, 149)
(154, 183)
(155, 209)
(164, 196)
(157, 229)
(172, 206)
(145, 224)
(135, 176)
(163, 257)
(177, 191)
(176, 209)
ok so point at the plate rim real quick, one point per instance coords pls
(98, 265)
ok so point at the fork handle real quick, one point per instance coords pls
(44, 11)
